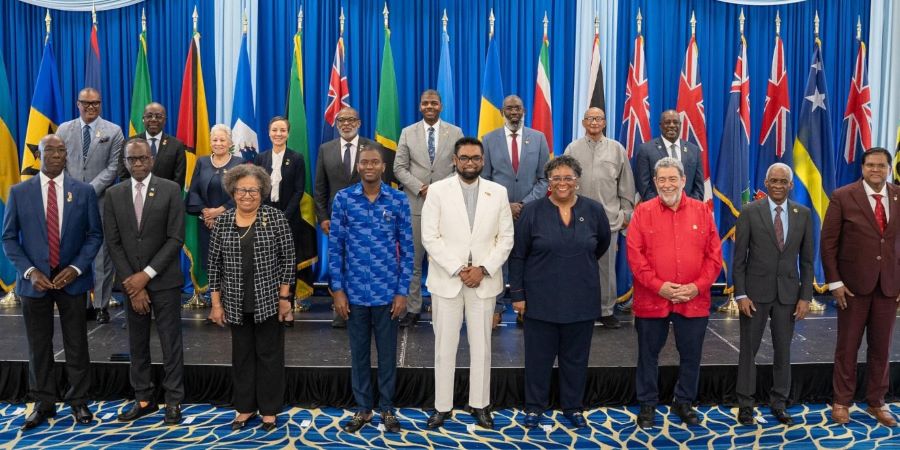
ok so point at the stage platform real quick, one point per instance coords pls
(318, 360)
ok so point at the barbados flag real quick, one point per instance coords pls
(814, 154)
(9, 166)
(46, 112)
(490, 117)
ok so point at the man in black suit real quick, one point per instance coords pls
(144, 228)
(669, 145)
(773, 237)
(336, 169)
(167, 150)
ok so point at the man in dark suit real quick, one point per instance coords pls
(668, 144)
(336, 169)
(773, 238)
(860, 246)
(168, 152)
(143, 221)
(51, 234)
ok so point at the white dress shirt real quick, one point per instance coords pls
(437, 134)
(146, 182)
(354, 148)
(668, 144)
(519, 142)
(277, 160)
(60, 204)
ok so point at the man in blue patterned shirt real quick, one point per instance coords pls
(370, 260)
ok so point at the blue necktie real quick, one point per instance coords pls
(85, 141)
(153, 147)
(431, 144)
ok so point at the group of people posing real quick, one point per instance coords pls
(485, 212)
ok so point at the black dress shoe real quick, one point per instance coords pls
(782, 416)
(173, 415)
(745, 416)
(610, 322)
(338, 321)
(359, 420)
(646, 417)
(82, 414)
(437, 419)
(268, 426)
(390, 422)
(288, 323)
(409, 320)
(576, 418)
(37, 417)
(103, 316)
(90, 314)
(238, 424)
(137, 411)
(686, 413)
(483, 418)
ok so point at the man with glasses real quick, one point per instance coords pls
(605, 177)
(336, 169)
(95, 147)
(668, 145)
(167, 151)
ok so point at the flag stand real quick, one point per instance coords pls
(196, 302)
(730, 306)
(816, 306)
(10, 300)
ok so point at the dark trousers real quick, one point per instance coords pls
(545, 342)
(38, 315)
(257, 360)
(364, 321)
(873, 314)
(652, 335)
(752, 329)
(166, 306)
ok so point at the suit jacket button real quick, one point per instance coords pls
(878, 257)
(882, 240)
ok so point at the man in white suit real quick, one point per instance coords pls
(94, 151)
(424, 156)
(467, 230)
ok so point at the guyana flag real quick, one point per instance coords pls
(298, 141)
(141, 95)
(193, 130)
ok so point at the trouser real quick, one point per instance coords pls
(545, 342)
(875, 315)
(752, 329)
(103, 279)
(364, 321)
(652, 335)
(166, 306)
(608, 294)
(500, 307)
(414, 299)
(447, 316)
(257, 362)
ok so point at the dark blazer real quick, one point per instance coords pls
(293, 181)
(157, 242)
(170, 162)
(761, 271)
(650, 152)
(203, 173)
(853, 249)
(25, 233)
(331, 177)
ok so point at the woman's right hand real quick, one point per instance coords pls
(217, 315)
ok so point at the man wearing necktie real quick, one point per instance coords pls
(668, 145)
(168, 152)
(424, 156)
(859, 254)
(773, 238)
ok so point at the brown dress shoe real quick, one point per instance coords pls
(840, 414)
(883, 416)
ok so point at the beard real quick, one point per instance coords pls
(470, 175)
(670, 199)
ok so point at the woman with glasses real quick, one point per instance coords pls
(554, 279)
(251, 269)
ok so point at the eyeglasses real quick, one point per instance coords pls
(474, 159)
(512, 108)
(346, 120)
(137, 159)
(563, 179)
(368, 163)
(594, 119)
(89, 104)
(244, 192)
(157, 116)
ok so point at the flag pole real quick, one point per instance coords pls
(815, 305)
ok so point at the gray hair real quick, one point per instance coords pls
(669, 161)
(241, 171)
(223, 128)
(562, 161)
(784, 166)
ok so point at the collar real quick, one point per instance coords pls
(669, 143)
(357, 189)
(664, 207)
(145, 181)
(92, 124)
(870, 191)
(158, 137)
(437, 126)
(278, 156)
(509, 132)
(772, 204)
(354, 141)
(58, 180)
(592, 141)
(465, 185)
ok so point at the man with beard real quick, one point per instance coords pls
(669, 145)
(466, 253)
(167, 151)
(424, 156)
(514, 157)
(336, 169)
(675, 256)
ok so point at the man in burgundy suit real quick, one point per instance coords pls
(860, 248)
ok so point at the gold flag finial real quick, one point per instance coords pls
(596, 25)
(47, 21)
(858, 28)
(196, 17)
(444, 20)
(741, 20)
(693, 24)
(816, 24)
(491, 23)
(386, 13)
(546, 23)
(300, 20)
(143, 20)
(639, 20)
(341, 21)
(245, 24)
(777, 23)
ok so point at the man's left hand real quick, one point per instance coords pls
(685, 292)
(516, 209)
(801, 310)
(64, 277)
(136, 282)
(398, 306)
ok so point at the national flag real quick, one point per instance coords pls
(542, 118)
(387, 124)
(141, 95)
(9, 166)
(636, 114)
(243, 117)
(338, 92)
(445, 81)
(193, 131)
(733, 167)
(897, 158)
(489, 117)
(46, 112)
(298, 141)
(690, 108)
(857, 131)
(814, 154)
(596, 95)
(92, 64)
(775, 134)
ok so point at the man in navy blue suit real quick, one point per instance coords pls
(670, 145)
(51, 233)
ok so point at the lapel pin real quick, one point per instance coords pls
(581, 219)
(287, 162)
(526, 141)
(98, 133)
(163, 142)
(895, 198)
(152, 192)
(487, 193)
(69, 197)
(796, 211)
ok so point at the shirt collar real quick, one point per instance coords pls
(870, 191)
(354, 141)
(158, 137)
(463, 184)
(92, 124)
(357, 189)
(437, 126)
(665, 207)
(145, 181)
(669, 143)
(509, 132)
(58, 180)
(772, 204)
(592, 141)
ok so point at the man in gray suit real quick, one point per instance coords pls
(773, 238)
(424, 155)
(94, 147)
(514, 157)
(670, 145)
(336, 169)
(143, 223)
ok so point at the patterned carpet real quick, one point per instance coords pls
(209, 427)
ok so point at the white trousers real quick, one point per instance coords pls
(447, 317)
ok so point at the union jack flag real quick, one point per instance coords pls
(690, 109)
(338, 92)
(857, 132)
(775, 134)
(636, 116)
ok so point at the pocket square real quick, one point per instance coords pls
(104, 139)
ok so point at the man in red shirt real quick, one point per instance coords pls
(675, 256)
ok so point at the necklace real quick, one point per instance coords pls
(241, 236)
(212, 159)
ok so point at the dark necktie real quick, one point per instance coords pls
(347, 161)
(779, 228)
(85, 141)
(515, 153)
(153, 147)
(52, 225)
(880, 214)
(673, 151)
(431, 144)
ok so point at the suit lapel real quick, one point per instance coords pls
(859, 195)
(68, 206)
(445, 145)
(661, 150)
(460, 205)
(894, 206)
(37, 198)
(149, 202)
(766, 216)
(795, 228)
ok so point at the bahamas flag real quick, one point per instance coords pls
(46, 112)
(489, 117)
(243, 116)
(9, 166)
(445, 80)
(814, 154)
